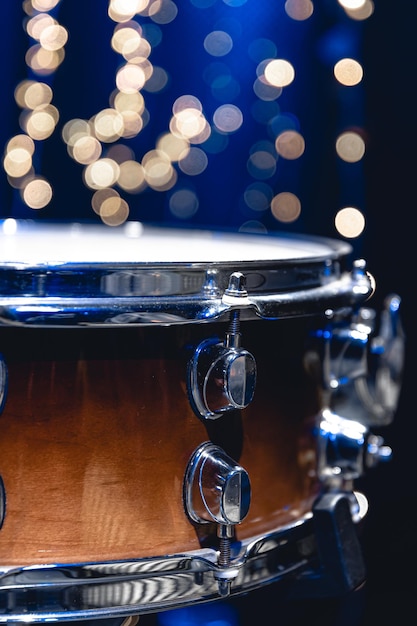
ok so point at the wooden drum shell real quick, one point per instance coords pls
(97, 430)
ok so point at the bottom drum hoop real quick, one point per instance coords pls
(120, 589)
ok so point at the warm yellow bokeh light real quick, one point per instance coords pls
(350, 222)
(131, 176)
(299, 9)
(286, 207)
(17, 162)
(350, 147)
(196, 130)
(37, 193)
(86, 150)
(108, 125)
(290, 144)
(348, 72)
(363, 12)
(101, 173)
(40, 123)
(114, 211)
(279, 73)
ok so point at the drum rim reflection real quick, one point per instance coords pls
(146, 292)
(71, 592)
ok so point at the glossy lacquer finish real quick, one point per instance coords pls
(97, 430)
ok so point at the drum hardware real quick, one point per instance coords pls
(95, 398)
(217, 489)
(149, 283)
(222, 376)
(236, 293)
(340, 567)
(362, 371)
(361, 378)
(345, 449)
(376, 451)
(100, 309)
(211, 287)
(318, 556)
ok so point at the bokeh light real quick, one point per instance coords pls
(286, 207)
(348, 72)
(37, 193)
(207, 117)
(350, 222)
(350, 146)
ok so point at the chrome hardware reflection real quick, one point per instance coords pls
(303, 554)
(128, 283)
(360, 361)
(221, 378)
(362, 370)
(345, 449)
(216, 488)
(222, 375)
(380, 391)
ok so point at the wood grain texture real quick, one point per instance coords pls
(97, 431)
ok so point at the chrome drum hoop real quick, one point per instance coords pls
(88, 275)
(77, 591)
(68, 592)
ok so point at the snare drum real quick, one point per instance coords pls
(112, 342)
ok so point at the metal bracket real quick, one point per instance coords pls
(341, 567)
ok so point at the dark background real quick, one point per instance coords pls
(383, 186)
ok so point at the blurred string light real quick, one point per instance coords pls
(350, 144)
(102, 144)
(39, 117)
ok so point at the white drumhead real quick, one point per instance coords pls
(90, 274)
(35, 244)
